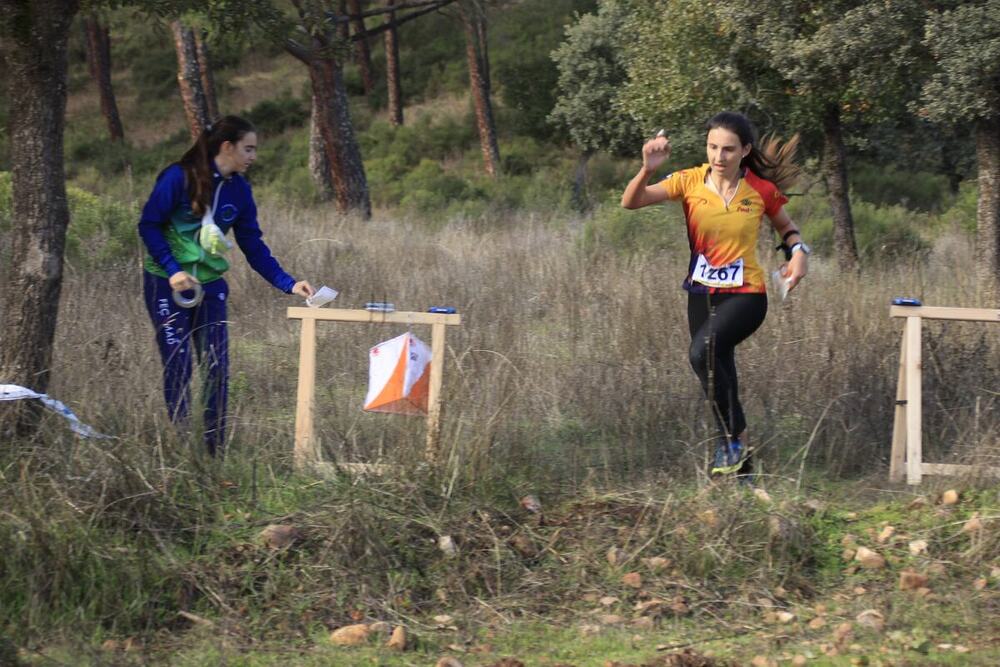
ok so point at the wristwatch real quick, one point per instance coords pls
(801, 245)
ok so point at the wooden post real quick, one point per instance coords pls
(434, 393)
(897, 458)
(305, 449)
(913, 401)
(906, 431)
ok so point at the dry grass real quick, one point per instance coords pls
(568, 366)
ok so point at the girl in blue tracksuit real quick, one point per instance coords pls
(186, 260)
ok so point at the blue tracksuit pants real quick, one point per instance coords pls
(203, 328)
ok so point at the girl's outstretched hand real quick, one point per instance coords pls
(655, 152)
(303, 289)
(795, 269)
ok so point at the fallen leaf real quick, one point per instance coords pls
(679, 607)
(817, 623)
(871, 618)
(949, 497)
(917, 503)
(870, 560)
(763, 496)
(780, 593)
(443, 620)
(615, 556)
(800, 661)
(632, 579)
(609, 600)
(649, 607)
(589, 629)
(278, 536)
(918, 547)
(973, 525)
(848, 554)
(447, 545)
(448, 662)
(911, 581)
(842, 632)
(611, 619)
(397, 642)
(380, 627)
(785, 617)
(849, 541)
(859, 590)
(995, 573)
(531, 503)
(709, 518)
(656, 563)
(923, 592)
(350, 635)
(980, 584)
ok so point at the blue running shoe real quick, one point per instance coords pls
(729, 457)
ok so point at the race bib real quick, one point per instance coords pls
(730, 275)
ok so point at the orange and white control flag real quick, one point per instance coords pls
(399, 372)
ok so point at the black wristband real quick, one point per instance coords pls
(785, 248)
(784, 238)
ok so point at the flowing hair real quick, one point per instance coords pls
(197, 161)
(769, 158)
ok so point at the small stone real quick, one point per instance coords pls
(871, 618)
(848, 554)
(918, 547)
(780, 593)
(444, 620)
(397, 642)
(859, 590)
(643, 623)
(763, 496)
(961, 649)
(849, 541)
(949, 497)
(995, 573)
(350, 635)
(633, 580)
(609, 601)
(911, 581)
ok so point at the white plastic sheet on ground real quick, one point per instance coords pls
(399, 376)
(13, 392)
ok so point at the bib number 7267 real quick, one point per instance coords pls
(730, 275)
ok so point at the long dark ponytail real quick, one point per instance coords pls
(197, 161)
(770, 158)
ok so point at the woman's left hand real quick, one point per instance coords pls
(303, 289)
(795, 269)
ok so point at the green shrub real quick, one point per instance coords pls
(429, 187)
(962, 212)
(648, 229)
(888, 186)
(274, 116)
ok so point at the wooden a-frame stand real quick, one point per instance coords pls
(306, 450)
(906, 429)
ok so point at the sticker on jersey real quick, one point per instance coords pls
(730, 275)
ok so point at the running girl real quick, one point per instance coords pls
(724, 201)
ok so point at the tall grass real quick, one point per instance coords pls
(569, 373)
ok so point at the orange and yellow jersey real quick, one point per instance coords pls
(724, 234)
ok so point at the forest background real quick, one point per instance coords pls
(483, 171)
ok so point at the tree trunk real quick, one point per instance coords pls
(363, 53)
(835, 174)
(207, 79)
(392, 70)
(988, 210)
(189, 79)
(99, 60)
(342, 151)
(319, 165)
(477, 59)
(33, 37)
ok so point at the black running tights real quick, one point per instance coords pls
(718, 323)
